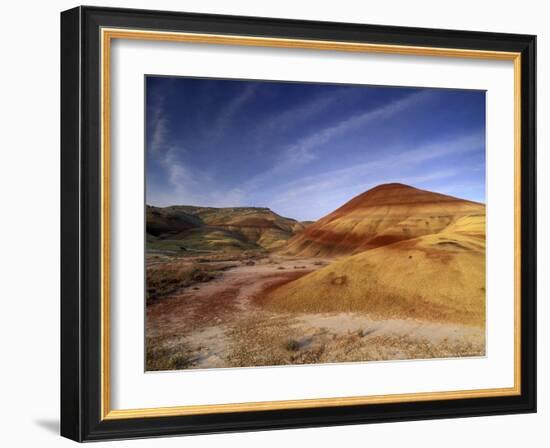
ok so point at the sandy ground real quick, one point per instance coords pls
(223, 323)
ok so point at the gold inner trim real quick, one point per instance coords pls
(107, 34)
(517, 222)
(105, 225)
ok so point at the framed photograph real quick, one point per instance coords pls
(276, 224)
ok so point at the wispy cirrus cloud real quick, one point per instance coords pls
(282, 120)
(331, 187)
(231, 110)
(325, 200)
(159, 127)
(394, 158)
(157, 118)
(189, 185)
(305, 150)
(300, 153)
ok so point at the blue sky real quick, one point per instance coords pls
(304, 149)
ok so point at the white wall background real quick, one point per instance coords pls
(29, 224)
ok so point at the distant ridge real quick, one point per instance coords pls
(383, 215)
(195, 228)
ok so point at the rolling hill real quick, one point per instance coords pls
(439, 277)
(184, 228)
(413, 254)
(386, 214)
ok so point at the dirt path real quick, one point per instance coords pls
(219, 324)
(198, 319)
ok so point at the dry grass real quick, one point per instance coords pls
(164, 356)
(165, 279)
(436, 277)
(276, 342)
(267, 340)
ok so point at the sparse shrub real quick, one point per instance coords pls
(161, 357)
(180, 361)
(166, 279)
(292, 345)
(281, 267)
(199, 275)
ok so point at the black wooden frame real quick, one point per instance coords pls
(80, 224)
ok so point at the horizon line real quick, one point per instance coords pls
(303, 220)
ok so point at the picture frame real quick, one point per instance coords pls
(86, 238)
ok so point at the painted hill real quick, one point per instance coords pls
(438, 277)
(384, 215)
(170, 221)
(193, 228)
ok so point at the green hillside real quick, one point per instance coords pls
(191, 229)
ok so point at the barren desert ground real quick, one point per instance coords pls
(395, 273)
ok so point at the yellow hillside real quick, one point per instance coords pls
(439, 277)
